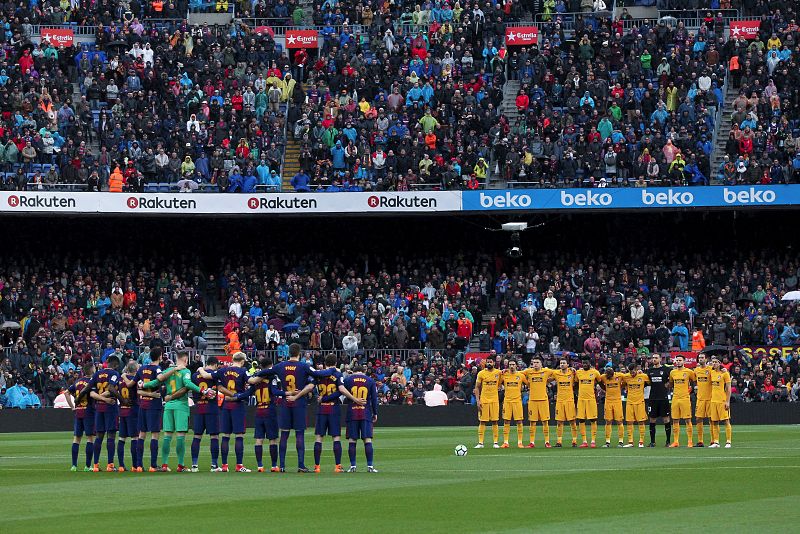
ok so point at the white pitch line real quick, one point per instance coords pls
(648, 457)
(598, 469)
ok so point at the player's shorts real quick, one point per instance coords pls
(658, 408)
(129, 424)
(150, 419)
(512, 410)
(565, 411)
(232, 421)
(538, 411)
(359, 429)
(703, 409)
(107, 421)
(718, 412)
(206, 423)
(84, 425)
(292, 417)
(612, 410)
(587, 409)
(489, 411)
(266, 427)
(176, 419)
(329, 424)
(681, 409)
(635, 412)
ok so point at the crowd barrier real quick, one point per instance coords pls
(59, 420)
(411, 202)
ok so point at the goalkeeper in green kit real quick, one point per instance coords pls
(178, 382)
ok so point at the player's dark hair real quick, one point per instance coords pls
(87, 368)
(536, 358)
(358, 368)
(212, 360)
(182, 354)
(586, 360)
(294, 350)
(563, 360)
(112, 361)
(155, 354)
(330, 359)
(631, 367)
(265, 362)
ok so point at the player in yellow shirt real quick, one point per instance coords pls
(635, 413)
(538, 402)
(612, 408)
(720, 402)
(565, 401)
(680, 381)
(587, 377)
(486, 393)
(512, 381)
(703, 409)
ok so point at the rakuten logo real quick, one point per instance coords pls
(668, 198)
(281, 203)
(36, 201)
(748, 196)
(586, 200)
(401, 202)
(159, 203)
(506, 200)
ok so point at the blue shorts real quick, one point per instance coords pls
(206, 423)
(292, 418)
(266, 427)
(359, 429)
(232, 421)
(150, 419)
(129, 424)
(84, 425)
(329, 424)
(107, 421)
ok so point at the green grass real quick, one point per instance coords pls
(422, 487)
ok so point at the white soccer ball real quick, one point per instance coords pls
(461, 450)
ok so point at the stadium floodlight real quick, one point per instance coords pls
(515, 227)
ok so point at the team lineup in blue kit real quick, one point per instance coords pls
(122, 408)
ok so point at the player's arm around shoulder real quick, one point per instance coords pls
(186, 376)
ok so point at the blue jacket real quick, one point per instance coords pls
(337, 156)
(300, 182)
(249, 184)
(263, 173)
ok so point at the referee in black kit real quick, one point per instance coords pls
(658, 401)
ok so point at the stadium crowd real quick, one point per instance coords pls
(409, 323)
(398, 98)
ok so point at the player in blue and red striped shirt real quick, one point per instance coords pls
(361, 418)
(83, 409)
(206, 417)
(128, 414)
(330, 391)
(267, 394)
(106, 416)
(150, 410)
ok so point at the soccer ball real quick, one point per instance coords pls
(461, 450)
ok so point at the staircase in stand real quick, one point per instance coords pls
(723, 133)
(291, 162)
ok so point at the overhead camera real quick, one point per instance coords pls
(515, 228)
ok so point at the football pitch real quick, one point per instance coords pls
(422, 486)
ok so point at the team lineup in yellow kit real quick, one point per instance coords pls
(711, 385)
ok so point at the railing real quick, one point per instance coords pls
(343, 356)
(282, 27)
(91, 31)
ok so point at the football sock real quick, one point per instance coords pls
(593, 426)
(506, 431)
(111, 443)
(121, 453)
(583, 431)
(166, 445)
(520, 431)
(668, 430)
(140, 452)
(196, 449)
(607, 429)
(273, 454)
(180, 449)
(153, 452)
(676, 429)
(700, 430)
(728, 430)
(337, 452)
(574, 428)
(89, 452)
(238, 446)
(533, 432)
(225, 448)
(621, 433)
(495, 432)
(546, 431)
(559, 431)
(317, 452)
(641, 432)
(215, 451)
(351, 452)
(630, 432)
(300, 445)
(481, 431)
(260, 455)
(283, 446)
(98, 446)
(689, 430)
(76, 448)
(369, 452)
(652, 432)
(714, 432)
(134, 451)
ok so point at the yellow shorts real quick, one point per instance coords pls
(489, 411)
(681, 409)
(587, 409)
(703, 409)
(538, 411)
(635, 412)
(718, 412)
(612, 411)
(565, 410)
(512, 410)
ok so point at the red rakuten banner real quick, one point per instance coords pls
(522, 35)
(58, 36)
(301, 39)
(744, 29)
